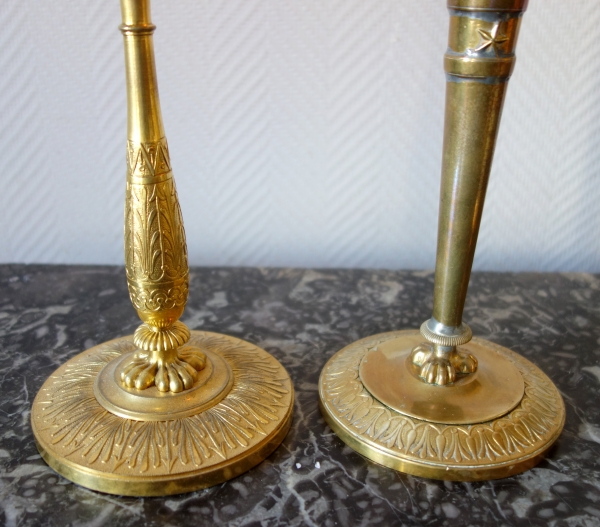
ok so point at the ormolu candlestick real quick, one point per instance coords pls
(451, 407)
(166, 410)
(155, 248)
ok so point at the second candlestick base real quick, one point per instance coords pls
(492, 424)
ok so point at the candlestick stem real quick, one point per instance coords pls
(155, 245)
(478, 64)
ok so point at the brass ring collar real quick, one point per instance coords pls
(149, 180)
(488, 5)
(438, 333)
(479, 67)
(141, 29)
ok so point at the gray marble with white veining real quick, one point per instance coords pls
(50, 313)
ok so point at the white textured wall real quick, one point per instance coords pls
(302, 133)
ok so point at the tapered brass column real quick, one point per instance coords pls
(167, 410)
(478, 63)
(440, 403)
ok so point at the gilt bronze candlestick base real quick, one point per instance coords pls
(439, 403)
(165, 410)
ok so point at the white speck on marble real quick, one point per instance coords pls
(42, 331)
(302, 290)
(172, 504)
(589, 432)
(594, 370)
(236, 328)
(195, 318)
(539, 480)
(229, 509)
(298, 466)
(26, 470)
(565, 355)
(47, 313)
(317, 465)
(241, 488)
(11, 514)
(582, 521)
(100, 519)
(218, 300)
(451, 511)
(389, 297)
(61, 335)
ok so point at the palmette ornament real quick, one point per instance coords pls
(167, 410)
(437, 402)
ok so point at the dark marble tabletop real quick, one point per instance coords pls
(48, 314)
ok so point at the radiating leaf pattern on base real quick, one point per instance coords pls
(521, 431)
(83, 430)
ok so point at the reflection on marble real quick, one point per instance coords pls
(50, 313)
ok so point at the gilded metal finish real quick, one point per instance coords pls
(79, 438)
(166, 410)
(479, 61)
(213, 384)
(497, 448)
(155, 246)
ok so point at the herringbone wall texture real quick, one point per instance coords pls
(302, 133)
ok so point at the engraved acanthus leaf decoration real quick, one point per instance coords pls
(81, 427)
(527, 425)
(154, 235)
(155, 247)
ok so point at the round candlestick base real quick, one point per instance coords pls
(111, 448)
(467, 431)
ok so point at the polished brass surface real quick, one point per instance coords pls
(478, 64)
(441, 365)
(166, 410)
(439, 361)
(503, 446)
(155, 246)
(389, 375)
(488, 5)
(86, 443)
(439, 403)
(479, 61)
